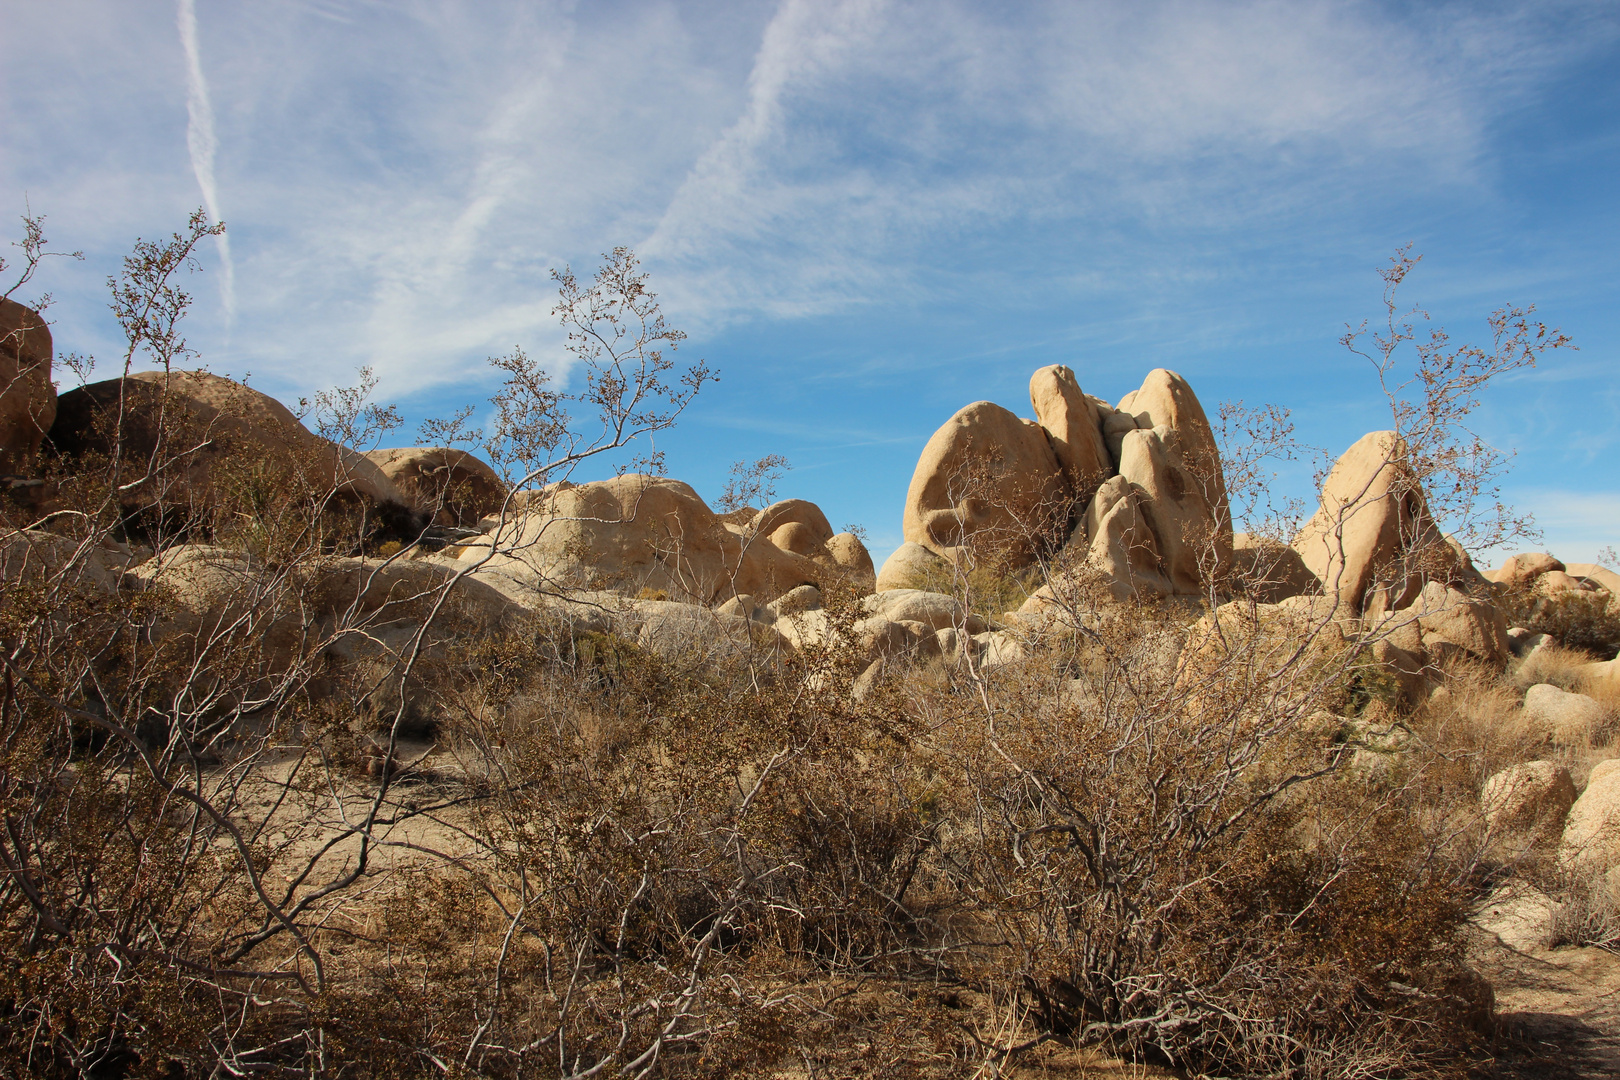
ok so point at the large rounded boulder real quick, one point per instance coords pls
(1073, 427)
(181, 443)
(27, 396)
(1372, 542)
(989, 478)
(1166, 399)
(451, 486)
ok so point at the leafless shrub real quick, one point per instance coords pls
(308, 813)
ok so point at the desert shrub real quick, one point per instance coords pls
(1155, 833)
(1585, 621)
(1589, 914)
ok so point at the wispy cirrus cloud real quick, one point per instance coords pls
(402, 176)
(202, 145)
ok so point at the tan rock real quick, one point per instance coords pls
(634, 534)
(1598, 575)
(1557, 581)
(778, 522)
(44, 560)
(1123, 547)
(1193, 535)
(451, 486)
(847, 551)
(1270, 570)
(1591, 841)
(1372, 543)
(1071, 422)
(1452, 619)
(1559, 716)
(202, 429)
(879, 637)
(804, 598)
(937, 611)
(1115, 426)
(1520, 570)
(1165, 399)
(692, 633)
(998, 648)
(988, 478)
(1409, 669)
(27, 396)
(910, 567)
(1532, 799)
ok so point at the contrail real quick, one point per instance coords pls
(201, 142)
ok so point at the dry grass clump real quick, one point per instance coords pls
(1553, 663)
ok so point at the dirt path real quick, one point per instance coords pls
(1559, 1007)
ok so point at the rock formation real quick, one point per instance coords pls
(990, 477)
(1073, 428)
(1371, 542)
(450, 486)
(649, 535)
(1141, 485)
(27, 396)
(184, 436)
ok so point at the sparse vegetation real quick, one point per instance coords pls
(316, 803)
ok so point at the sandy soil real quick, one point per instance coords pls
(1559, 1008)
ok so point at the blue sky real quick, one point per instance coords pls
(865, 214)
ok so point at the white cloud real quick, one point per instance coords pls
(202, 145)
(402, 175)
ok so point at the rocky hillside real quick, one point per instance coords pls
(1109, 772)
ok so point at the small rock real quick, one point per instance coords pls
(1532, 799)
(1591, 842)
(1560, 716)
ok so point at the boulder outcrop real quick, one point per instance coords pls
(449, 486)
(1591, 841)
(27, 395)
(1165, 399)
(1559, 716)
(990, 478)
(1193, 533)
(1531, 800)
(909, 567)
(1123, 545)
(1452, 620)
(649, 535)
(1372, 543)
(1141, 485)
(186, 437)
(1073, 427)
(1270, 570)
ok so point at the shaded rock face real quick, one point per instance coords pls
(648, 535)
(195, 433)
(27, 397)
(450, 486)
(1270, 570)
(988, 477)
